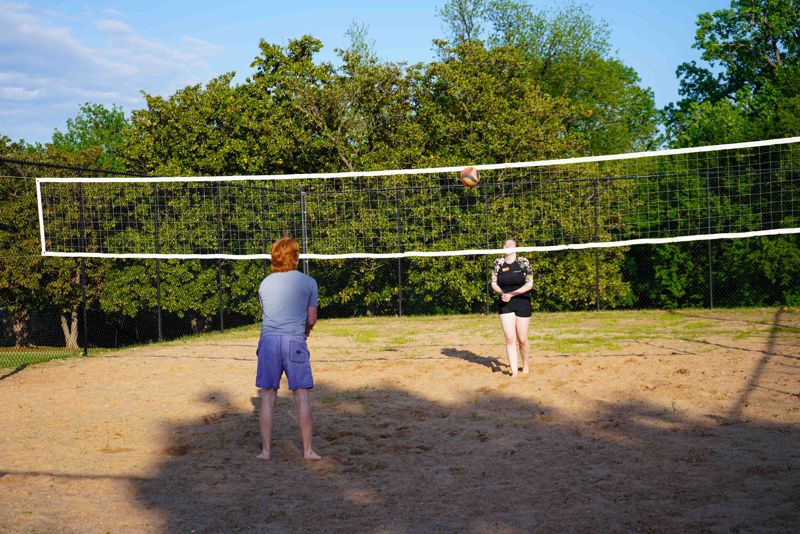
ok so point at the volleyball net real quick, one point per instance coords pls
(714, 192)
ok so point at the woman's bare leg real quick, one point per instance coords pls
(508, 321)
(522, 325)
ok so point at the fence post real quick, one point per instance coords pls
(303, 228)
(82, 228)
(708, 231)
(486, 225)
(219, 260)
(83, 304)
(399, 250)
(263, 228)
(158, 263)
(596, 250)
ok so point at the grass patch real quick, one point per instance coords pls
(356, 332)
(13, 357)
(577, 344)
(697, 325)
(564, 332)
(785, 329)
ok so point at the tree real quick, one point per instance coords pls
(462, 18)
(570, 57)
(95, 126)
(20, 279)
(752, 50)
(748, 90)
(28, 281)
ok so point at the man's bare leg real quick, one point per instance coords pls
(268, 398)
(303, 404)
(508, 321)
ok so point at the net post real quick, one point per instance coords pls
(219, 260)
(263, 227)
(158, 262)
(303, 222)
(708, 230)
(82, 273)
(82, 231)
(399, 250)
(486, 226)
(83, 305)
(596, 251)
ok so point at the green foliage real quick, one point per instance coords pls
(750, 90)
(511, 84)
(95, 127)
(753, 49)
(28, 281)
(568, 55)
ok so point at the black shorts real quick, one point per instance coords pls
(517, 306)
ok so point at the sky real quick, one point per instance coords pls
(57, 55)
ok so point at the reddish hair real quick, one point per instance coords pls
(285, 254)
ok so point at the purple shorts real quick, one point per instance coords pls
(279, 354)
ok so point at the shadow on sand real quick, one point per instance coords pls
(469, 356)
(395, 462)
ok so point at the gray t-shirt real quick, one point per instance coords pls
(285, 298)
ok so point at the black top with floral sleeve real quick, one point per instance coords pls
(512, 276)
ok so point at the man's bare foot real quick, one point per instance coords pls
(526, 370)
(263, 456)
(311, 455)
(513, 375)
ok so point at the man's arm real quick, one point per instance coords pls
(311, 319)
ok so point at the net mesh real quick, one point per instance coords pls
(736, 190)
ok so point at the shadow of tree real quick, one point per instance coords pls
(398, 462)
(18, 369)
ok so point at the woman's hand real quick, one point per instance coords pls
(505, 297)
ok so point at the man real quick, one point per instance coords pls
(289, 301)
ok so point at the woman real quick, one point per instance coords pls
(512, 279)
(289, 300)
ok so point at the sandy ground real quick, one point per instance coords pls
(656, 421)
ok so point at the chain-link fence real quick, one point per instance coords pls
(57, 307)
(163, 300)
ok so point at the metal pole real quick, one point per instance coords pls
(596, 251)
(708, 230)
(82, 228)
(486, 225)
(399, 260)
(158, 300)
(83, 304)
(158, 263)
(304, 228)
(219, 261)
(263, 229)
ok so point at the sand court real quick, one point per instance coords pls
(629, 421)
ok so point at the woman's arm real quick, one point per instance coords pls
(522, 290)
(528, 285)
(496, 269)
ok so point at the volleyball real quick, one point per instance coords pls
(470, 177)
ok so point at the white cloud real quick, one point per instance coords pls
(54, 62)
(18, 93)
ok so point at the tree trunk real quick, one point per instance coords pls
(70, 329)
(21, 326)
